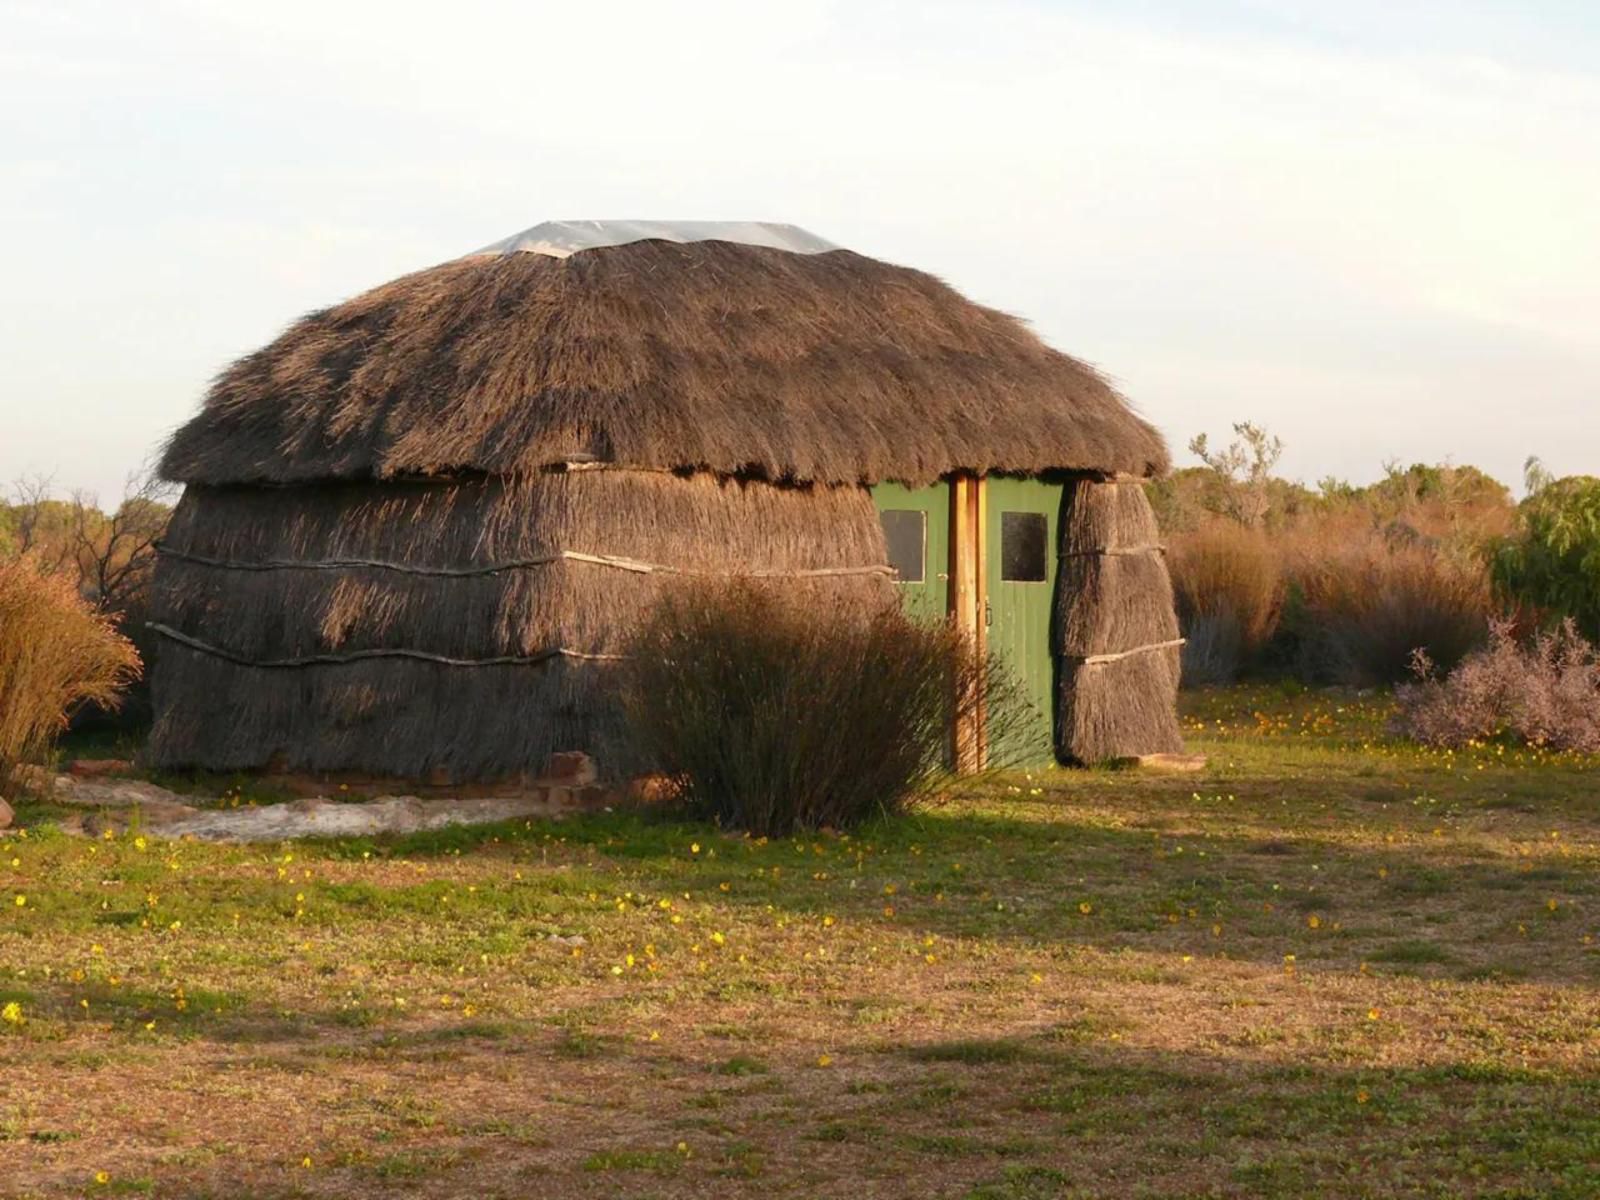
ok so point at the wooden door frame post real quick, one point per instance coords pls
(969, 606)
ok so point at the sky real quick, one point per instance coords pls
(1373, 227)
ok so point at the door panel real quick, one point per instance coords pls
(1021, 530)
(916, 526)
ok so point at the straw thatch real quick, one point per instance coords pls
(460, 629)
(737, 359)
(421, 524)
(1116, 627)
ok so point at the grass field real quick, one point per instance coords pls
(1331, 965)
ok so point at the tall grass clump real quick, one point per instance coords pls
(771, 715)
(1365, 605)
(56, 653)
(1545, 693)
(1228, 583)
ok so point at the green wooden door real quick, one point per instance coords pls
(916, 526)
(1022, 527)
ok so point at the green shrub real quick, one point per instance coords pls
(771, 715)
(55, 654)
(1552, 562)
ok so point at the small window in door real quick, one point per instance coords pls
(906, 532)
(1023, 547)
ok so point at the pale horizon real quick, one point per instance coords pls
(1379, 245)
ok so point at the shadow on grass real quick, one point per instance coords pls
(1001, 1118)
(1277, 877)
(1402, 907)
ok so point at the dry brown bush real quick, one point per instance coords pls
(1545, 693)
(772, 718)
(1228, 582)
(1366, 604)
(56, 653)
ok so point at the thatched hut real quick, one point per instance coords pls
(418, 526)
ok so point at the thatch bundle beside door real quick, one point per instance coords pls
(1118, 629)
(419, 524)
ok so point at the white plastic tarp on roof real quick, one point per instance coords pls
(561, 238)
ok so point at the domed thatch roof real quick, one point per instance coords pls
(739, 359)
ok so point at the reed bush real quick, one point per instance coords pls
(1364, 606)
(56, 653)
(1228, 584)
(771, 718)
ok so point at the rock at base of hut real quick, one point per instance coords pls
(570, 768)
(97, 768)
(5, 815)
(122, 804)
(1176, 764)
(651, 789)
(107, 792)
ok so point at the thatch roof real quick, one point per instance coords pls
(738, 359)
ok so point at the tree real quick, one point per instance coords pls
(108, 557)
(115, 554)
(1245, 471)
(1552, 562)
(37, 526)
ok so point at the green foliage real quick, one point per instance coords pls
(1244, 470)
(1552, 562)
(1440, 500)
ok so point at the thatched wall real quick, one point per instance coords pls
(738, 359)
(1117, 630)
(376, 582)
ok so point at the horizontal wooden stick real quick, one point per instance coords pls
(617, 561)
(310, 660)
(1116, 551)
(1095, 660)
